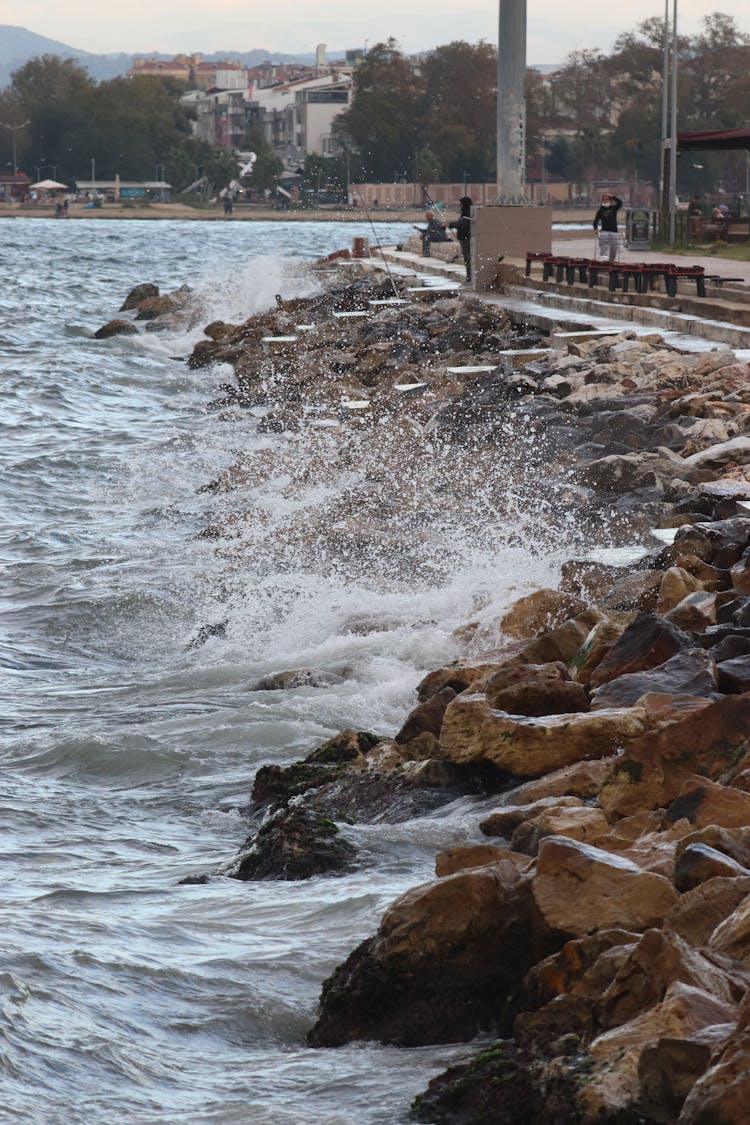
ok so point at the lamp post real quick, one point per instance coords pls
(14, 129)
(93, 173)
(669, 119)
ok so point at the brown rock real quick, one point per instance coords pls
(676, 584)
(116, 328)
(586, 824)
(151, 307)
(505, 821)
(653, 768)
(527, 747)
(461, 675)
(697, 863)
(465, 856)
(595, 647)
(539, 612)
(535, 689)
(589, 580)
(433, 972)
(578, 888)
(613, 1085)
(734, 843)
(722, 1094)
(704, 802)
(427, 718)
(139, 293)
(698, 912)
(696, 611)
(657, 961)
(638, 591)
(582, 779)
(563, 642)
(645, 643)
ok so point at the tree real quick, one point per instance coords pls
(385, 121)
(461, 110)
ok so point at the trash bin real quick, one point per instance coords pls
(637, 224)
(360, 248)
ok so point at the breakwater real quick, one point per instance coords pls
(600, 725)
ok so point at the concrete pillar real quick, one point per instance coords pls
(511, 103)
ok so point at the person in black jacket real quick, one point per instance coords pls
(462, 227)
(609, 240)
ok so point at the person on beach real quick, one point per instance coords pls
(462, 227)
(606, 216)
(435, 231)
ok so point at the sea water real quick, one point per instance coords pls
(128, 750)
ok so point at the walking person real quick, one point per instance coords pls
(609, 239)
(462, 227)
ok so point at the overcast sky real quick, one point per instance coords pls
(554, 27)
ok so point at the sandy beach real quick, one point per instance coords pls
(132, 209)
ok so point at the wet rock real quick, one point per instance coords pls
(505, 821)
(734, 675)
(151, 307)
(297, 678)
(116, 328)
(612, 1087)
(428, 717)
(293, 844)
(658, 960)
(139, 293)
(278, 784)
(204, 634)
(432, 973)
(540, 612)
(690, 672)
(501, 1085)
(645, 643)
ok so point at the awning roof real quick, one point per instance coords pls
(715, 139)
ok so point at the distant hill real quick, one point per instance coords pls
(17, 46)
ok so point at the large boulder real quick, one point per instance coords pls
(645, 643)
(535, 689)
(444, 964)
(690, 672)
(578, 888)
(473, 731)
(653, 769)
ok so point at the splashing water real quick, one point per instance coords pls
(127, 749)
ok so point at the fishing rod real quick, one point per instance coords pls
(380, 248)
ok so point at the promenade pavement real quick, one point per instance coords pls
(582, 246)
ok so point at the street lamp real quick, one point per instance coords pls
(14, 129)
(669, 119)
(93, 173)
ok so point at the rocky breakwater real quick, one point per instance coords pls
(599, 924)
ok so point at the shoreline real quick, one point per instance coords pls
(182, 211)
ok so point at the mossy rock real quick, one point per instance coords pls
(294, 844)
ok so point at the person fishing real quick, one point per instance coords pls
(462, 227)
(435, 231)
